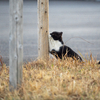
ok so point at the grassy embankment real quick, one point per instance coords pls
(55, 80)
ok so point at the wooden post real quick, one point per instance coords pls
(16, 43)
(43, 29)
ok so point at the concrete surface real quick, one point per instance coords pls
(74, 18)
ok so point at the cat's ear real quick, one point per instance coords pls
(50, 33)
(61, 33)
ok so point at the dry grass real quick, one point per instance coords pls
(54, 80)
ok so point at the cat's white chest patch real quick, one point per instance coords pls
(54, 44)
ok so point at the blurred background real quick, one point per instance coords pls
(79, 20)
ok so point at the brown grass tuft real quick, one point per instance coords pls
(54, 80)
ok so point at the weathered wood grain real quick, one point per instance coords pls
(16, 43)
(43, 28)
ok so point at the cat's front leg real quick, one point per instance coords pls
(54, 53)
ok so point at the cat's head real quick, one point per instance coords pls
(57, 36)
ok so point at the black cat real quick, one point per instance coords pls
(58, 49)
